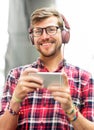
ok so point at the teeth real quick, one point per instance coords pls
(45, 44)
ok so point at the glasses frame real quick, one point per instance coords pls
(46, 30)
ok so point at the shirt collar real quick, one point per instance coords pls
(43, 68)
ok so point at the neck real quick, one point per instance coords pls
(52, 62)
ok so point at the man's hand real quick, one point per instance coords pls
(62, 94)
(27, 83)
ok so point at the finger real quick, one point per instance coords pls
(30, 78)
(24, 87)
(31, 82)
(56, 90)
(31, 85)
(64, 94)
(29, 70)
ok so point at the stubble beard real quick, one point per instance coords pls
(53, 52)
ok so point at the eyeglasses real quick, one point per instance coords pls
(50, 30)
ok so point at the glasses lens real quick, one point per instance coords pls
(51, 30)
(37, 32)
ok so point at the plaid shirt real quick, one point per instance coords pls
(39, 111)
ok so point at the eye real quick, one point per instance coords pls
(51, 29)
(37, 32)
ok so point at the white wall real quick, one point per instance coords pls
(3, 37)
(79, 14)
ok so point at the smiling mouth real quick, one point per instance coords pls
(45, 44)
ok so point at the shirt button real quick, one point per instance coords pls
(44, 104)
(41, 123)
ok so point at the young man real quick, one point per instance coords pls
(27, 104)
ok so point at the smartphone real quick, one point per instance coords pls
(50, 78)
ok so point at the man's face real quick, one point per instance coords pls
(46, 44)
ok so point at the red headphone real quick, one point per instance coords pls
(65, 32)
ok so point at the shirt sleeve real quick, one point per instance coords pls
(9, 87)
(87, 96)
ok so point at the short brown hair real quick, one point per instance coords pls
(43, 13)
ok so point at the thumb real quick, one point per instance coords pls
(65, 80)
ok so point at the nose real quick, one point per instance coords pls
(44, 34)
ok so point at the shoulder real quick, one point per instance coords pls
(78, 72)
(15, 72)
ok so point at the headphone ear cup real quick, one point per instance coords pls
(65, 36)
(31, 38)
(65, 31)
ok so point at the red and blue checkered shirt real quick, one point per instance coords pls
(39, 111)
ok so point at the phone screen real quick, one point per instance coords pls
(50, 78)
